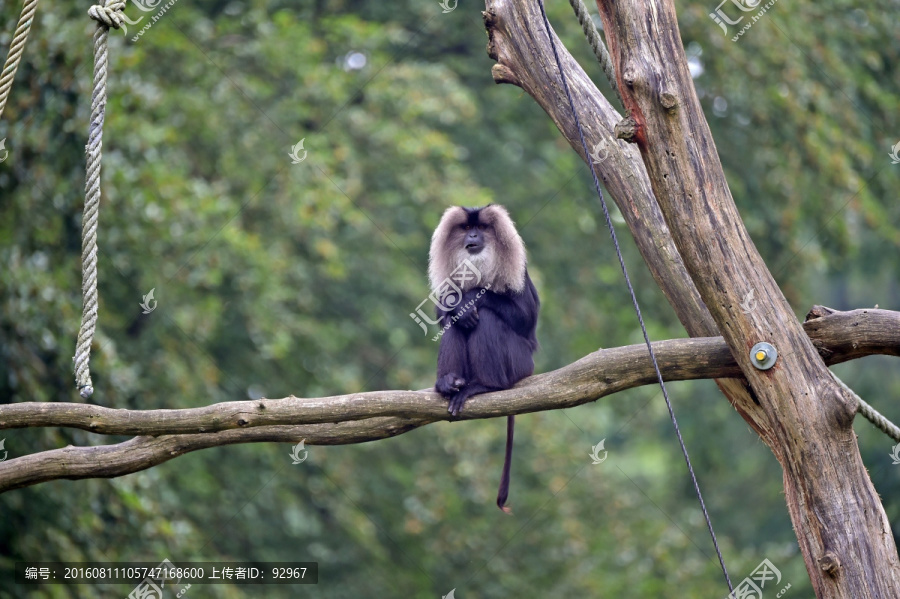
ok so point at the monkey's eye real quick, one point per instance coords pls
(482, 227)
(466, 227)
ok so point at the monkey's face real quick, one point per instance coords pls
(476, 237)
(475, 241)
(486, 238)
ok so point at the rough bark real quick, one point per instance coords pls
(802, 414)
(368, 416)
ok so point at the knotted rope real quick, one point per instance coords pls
(107, 15)
(16, 47)
(110, 15)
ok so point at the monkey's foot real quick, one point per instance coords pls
(456, 403)
(449, 385)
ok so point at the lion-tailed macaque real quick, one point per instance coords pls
(488, 310)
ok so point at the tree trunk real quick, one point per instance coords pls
(806, 419)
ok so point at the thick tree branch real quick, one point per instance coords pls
(140, 453)
(367, 416)
(840, 336)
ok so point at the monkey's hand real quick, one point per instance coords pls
(468, 320)
(449, 384)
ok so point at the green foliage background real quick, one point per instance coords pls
(276, 279)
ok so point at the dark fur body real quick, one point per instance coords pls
(489, 345)
(495, 351)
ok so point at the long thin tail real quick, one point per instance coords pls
(503, 492)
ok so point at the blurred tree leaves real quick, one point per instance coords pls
(274, 278)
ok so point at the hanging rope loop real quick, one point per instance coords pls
(107, 15)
